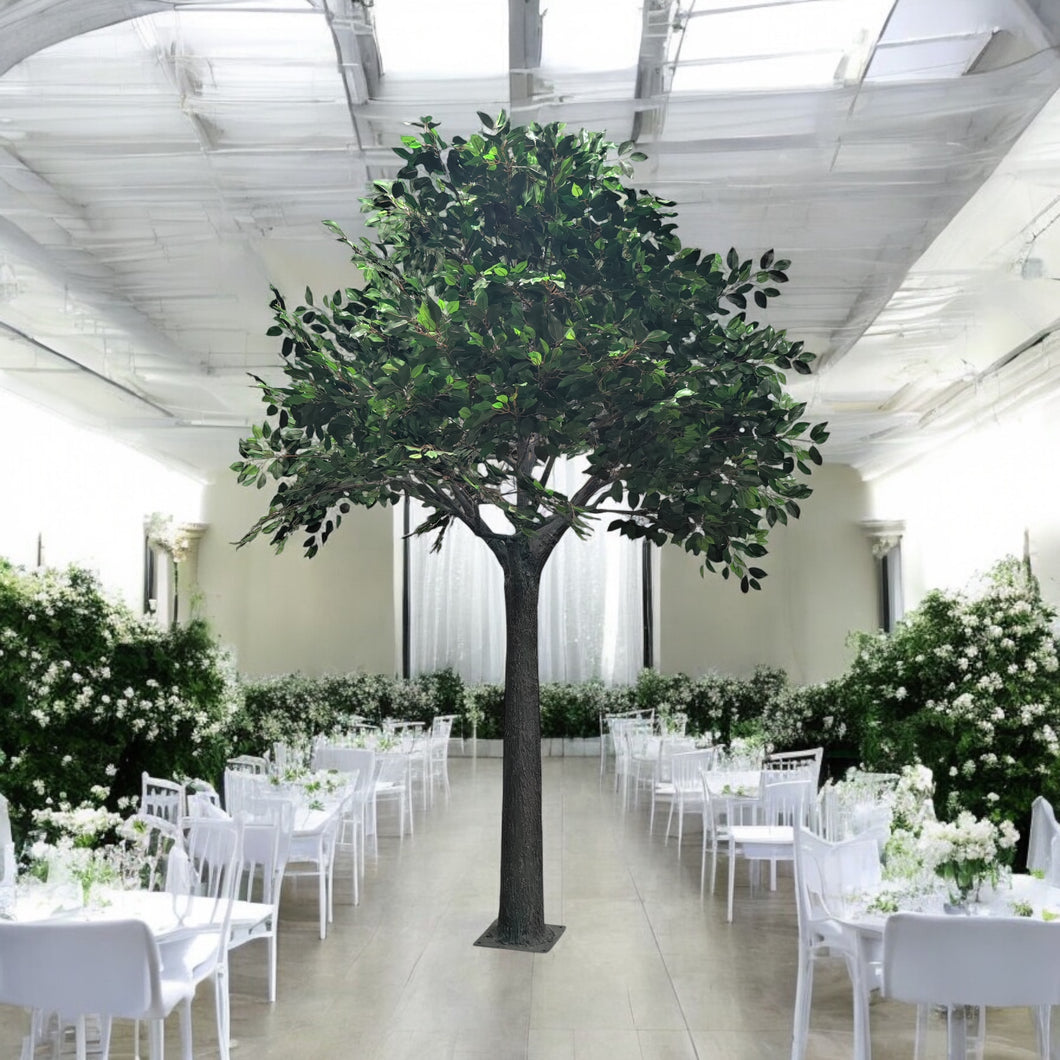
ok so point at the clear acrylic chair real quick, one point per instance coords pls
(962, 961)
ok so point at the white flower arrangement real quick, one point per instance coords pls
(967, 852)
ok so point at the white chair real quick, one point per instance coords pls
(358, 764)
(827, 876)
(392, 784)
(162, 798)
(438, 752)
(1043, 844)
(959, 961)
(312, 853)
(55, 966)
(682, 788)
(266, 847)
(210, 868)
(783, 805)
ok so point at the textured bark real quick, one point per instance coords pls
(521, 917)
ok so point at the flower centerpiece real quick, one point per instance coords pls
(67, 848)
(968, 852)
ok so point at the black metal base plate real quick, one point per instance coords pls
(489, 939)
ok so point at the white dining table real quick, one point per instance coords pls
(165, 914)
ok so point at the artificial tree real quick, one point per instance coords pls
(521, 305)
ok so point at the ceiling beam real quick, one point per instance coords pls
(650, 89)
(524, 53)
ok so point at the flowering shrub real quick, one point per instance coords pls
(967, 685)
(91, 694)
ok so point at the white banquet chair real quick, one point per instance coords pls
(54, 966)
(208, 866)
(682, 788)
(962, 961)
(827, 877)
(1043, 844)
(438, 752)
(783, 805)
(263, 861)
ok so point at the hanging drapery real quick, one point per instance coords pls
(591, 621)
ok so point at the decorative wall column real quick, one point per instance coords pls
(188, 583)
(885, 539)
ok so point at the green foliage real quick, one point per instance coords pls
(967, 685)
(520, 304)
(91, 695)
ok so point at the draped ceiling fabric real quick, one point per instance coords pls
(162, 163)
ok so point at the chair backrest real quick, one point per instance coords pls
(266, 846)
(242, 785)
(786, 802)
(1044, 830)
(686, 767)
(162, 798)
(5, 823)
(829, 876)
(248, 764)
(213, 847)
(200, 804)
(55, 966)
(806, 761)
(442, 729)
(971, 960)
(359, 760)
(150, 840)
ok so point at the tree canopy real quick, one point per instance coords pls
(521, 303)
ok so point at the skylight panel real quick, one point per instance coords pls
(428, 39)
(743, 45)
(591, 35)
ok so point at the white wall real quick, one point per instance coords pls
(821, 585)
(969, 503)
(333, 613)
(85, 495)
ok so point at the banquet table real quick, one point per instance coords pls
(167, 915)
(868, 924)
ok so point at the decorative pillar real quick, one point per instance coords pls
(185, 605)
(885, 539)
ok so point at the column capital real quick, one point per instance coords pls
(883, 534)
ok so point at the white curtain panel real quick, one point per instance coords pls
(591, 616)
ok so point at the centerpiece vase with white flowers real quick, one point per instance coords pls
(968, 853)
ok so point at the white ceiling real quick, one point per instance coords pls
(158, 172)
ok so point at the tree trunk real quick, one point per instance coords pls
(521, 917)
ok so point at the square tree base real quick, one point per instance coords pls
(489, 939)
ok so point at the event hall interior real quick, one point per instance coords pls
(163, 163)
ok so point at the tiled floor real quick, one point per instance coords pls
(645, 970)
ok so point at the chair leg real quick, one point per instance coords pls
(224, 1022)
(803, 1000)
(732, 874)
(273, 942)
(185, 1030)
(156, 1039)
(956, 1033)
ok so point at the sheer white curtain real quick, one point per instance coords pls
(591, 617)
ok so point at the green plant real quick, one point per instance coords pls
(966, 684)
(92, 695)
